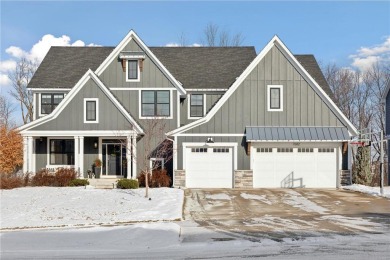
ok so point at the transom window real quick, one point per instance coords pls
(326, 150)
(91, 110)
(49, 102)
(220, 150)
(132, 70)
(199, 150)
(275, 97)
(61, 151)
(196, 105)
(305, 150)
(264, 150)
(155, 103)
(285, 150)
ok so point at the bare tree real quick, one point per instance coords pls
(6, 109)
(213, 36)
(182, 39)
(20, 78)
(210, 34)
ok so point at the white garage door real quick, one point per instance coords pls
(294, 167)
(210, 167)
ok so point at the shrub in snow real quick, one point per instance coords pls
(12, 181)
(127, 184)
(60, 178)
(78, 182)
(158, 179)
(361, 173)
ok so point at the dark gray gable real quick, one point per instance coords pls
(63, 67)
(205, 67)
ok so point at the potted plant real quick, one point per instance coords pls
(97, 163)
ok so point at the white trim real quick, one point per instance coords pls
(48, 165)
(207, 89)
(138, 79)
(146, 88)
(156, 159)
(275, 41)
(385, 93)
(109, 133)
(210, 134)
(128, 55)
(155, 117)
(296, 141)
(178, 109)
(133, 36)
(280, 87)
(97, 110)
(35, 106)
(30, 152)
(88, 75)
(25, 154)
(49, 89)
(81, 157)
(189, 106)
(40, 102)
(212, 145)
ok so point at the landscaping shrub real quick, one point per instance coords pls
(60, 178)
(127, 184)
(11, 181)
(43, 178)
(78, 182)
(157, 180)
(64, 176)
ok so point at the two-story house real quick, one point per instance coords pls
(235, 119)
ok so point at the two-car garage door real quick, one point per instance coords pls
(209, 167)
(287, 167)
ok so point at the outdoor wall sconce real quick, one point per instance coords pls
(209, 140)
(95, 145)
(40, 139)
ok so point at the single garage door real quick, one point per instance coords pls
(286, 167)
(210, 167)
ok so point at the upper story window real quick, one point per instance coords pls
(132, 70)
(196, 105)
(91, 110)
(155, 103)
(275, 98)
(49, 102)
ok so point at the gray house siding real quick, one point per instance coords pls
(150, 77)
(90, 153)
(38, 101)
(387, 132)
(72, 116)
(40, 153)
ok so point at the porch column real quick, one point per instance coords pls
(76, 154)
(30, 153)
(128, 156)
(134, 154)
(25, 156)
(81, 157)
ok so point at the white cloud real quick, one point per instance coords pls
(175, 44)
(367, 56)
(7, 65)
(4, 80)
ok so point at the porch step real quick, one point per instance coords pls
(103, 183)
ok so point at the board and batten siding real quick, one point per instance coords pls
(38, 100)
(151, 76)
(247, 106)
(72, 116)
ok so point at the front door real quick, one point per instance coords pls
(114, 159)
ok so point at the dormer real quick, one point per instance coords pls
(132, 64)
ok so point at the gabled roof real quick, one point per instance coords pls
(205, 67)
(63, 67)
(84, 79)
(275, 41)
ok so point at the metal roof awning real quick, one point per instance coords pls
(286, 134)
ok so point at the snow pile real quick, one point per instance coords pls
(295, 199)
(77, 206)
(219, 196)
(375, 191)
(261, 198)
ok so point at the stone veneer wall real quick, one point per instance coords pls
(180, 178)
(243, 179)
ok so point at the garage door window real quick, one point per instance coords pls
(326, 150)
(220, 150)
(199, 150)
(264, 150)
(285, 150)
(305, 150)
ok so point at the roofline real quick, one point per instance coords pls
(84, 79)
(114, 54)
(275, 41)
(386, 92)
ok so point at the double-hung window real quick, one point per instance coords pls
(275, 97)
(196, 105)
(91, 110)
(132, 70)
(49, 102)
(61, 151)
(155, 103)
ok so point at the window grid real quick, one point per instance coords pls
(264, 150)
(326, 150)
(49, 102)
(62, 152)
(221, 150)
(305, 150)
(199, 150)
(274, 98)
(155, 103)
(285, 150)
(196, 105)
(132, 69)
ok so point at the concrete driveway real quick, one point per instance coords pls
(282, 213)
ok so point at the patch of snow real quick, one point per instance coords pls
(375, 191)
(352, 222)
(76, 206)
(262, 198)
(219, 196)
(281, 224)
(295, 199)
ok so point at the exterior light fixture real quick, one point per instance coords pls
(209, 140)
(95, 145)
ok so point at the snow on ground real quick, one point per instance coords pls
(353, 222)
(369, 190)
(295, 199)
(77, 206)
(262, 198)
(219, 196)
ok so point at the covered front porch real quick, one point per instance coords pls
(116, 151)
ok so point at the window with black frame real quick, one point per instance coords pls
(275, 98)
(132, 69)
(62, 152)
(155, 103)
(90, 110)
(49, 102)
(196, 105)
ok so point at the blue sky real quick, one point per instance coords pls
(332, 31)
